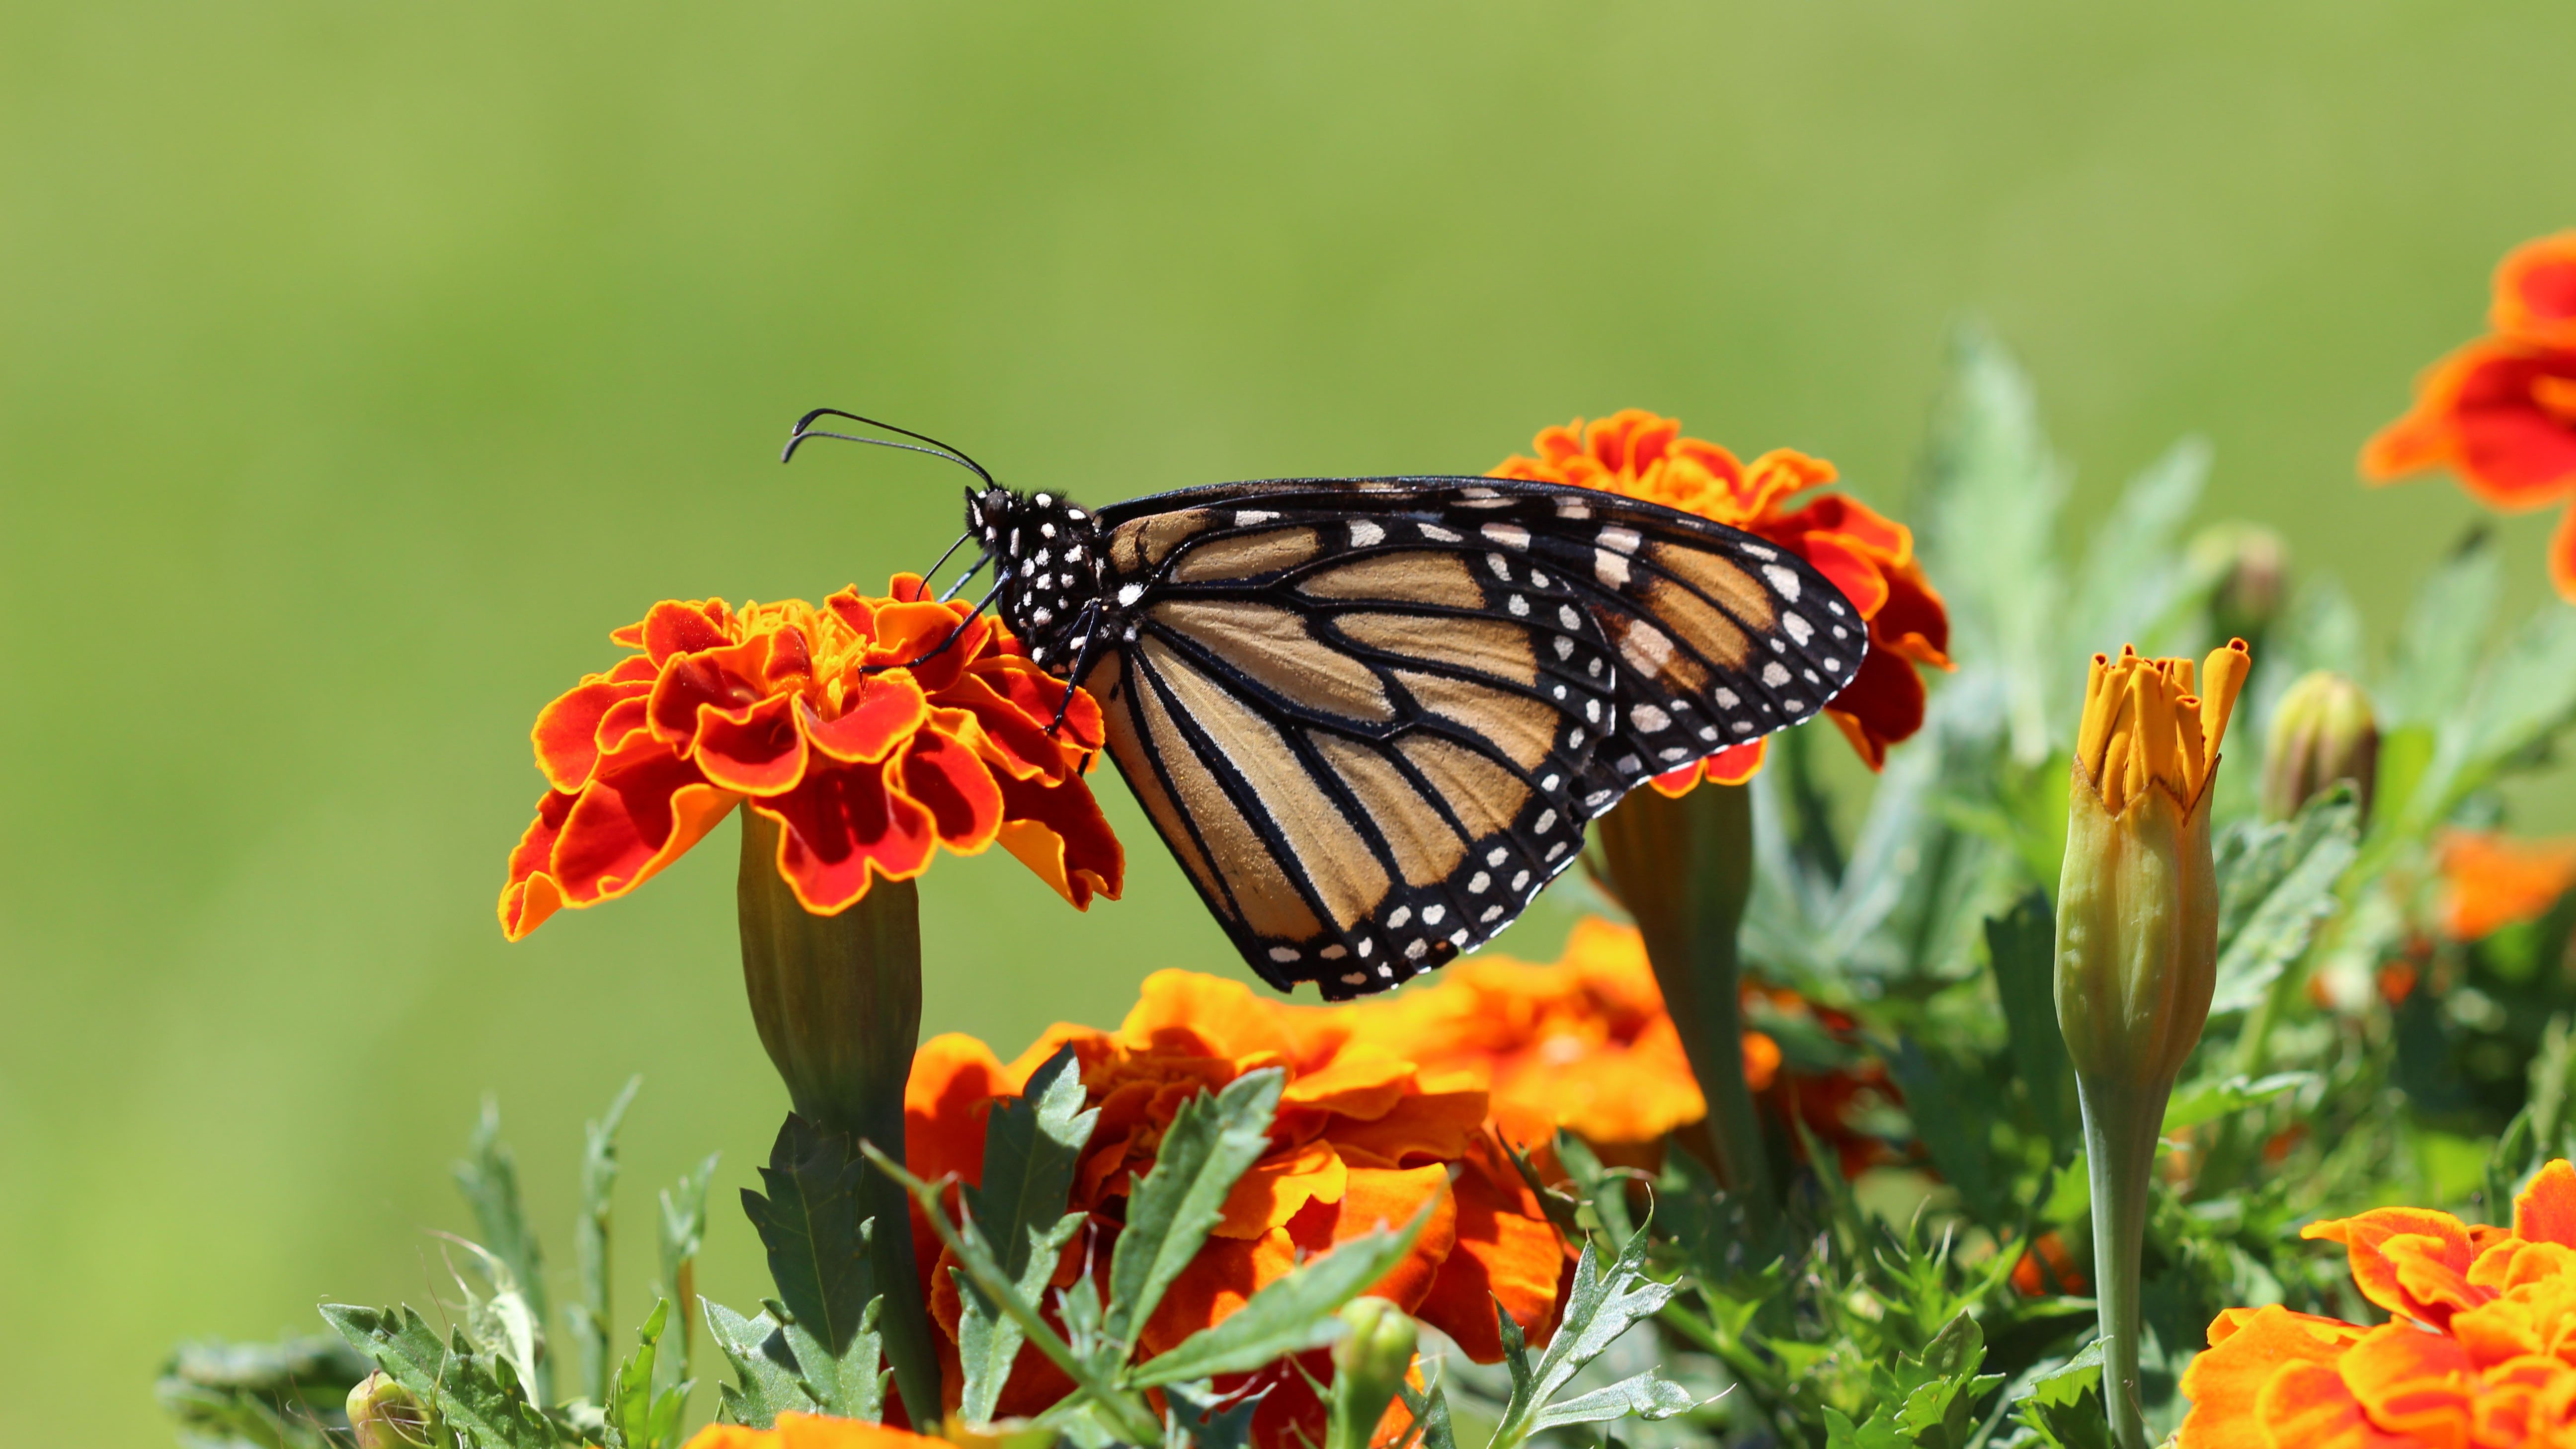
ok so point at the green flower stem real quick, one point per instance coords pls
(838, 1003)
(2120, 1125)
(1684, 870)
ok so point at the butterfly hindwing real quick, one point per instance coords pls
(1373, 716)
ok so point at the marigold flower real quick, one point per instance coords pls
(1869, 556)
(2046, 1267)
(2491, 880)
(1363, 1136)
(2473, 1357)
(1584, 1044)
(812, 1431)
(832, 722)
(2500, 413)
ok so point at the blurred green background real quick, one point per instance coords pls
(362, 366)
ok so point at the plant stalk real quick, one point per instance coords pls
(1683, 867)
(837, 1000)
(2120, 1127)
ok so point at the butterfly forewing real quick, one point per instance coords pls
(1373, 716)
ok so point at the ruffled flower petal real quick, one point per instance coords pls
(876, 731)
(2535, 293)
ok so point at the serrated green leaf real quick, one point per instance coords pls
(2064, 1407)
(1603, 1304)
(767, 1376)
(1212, 1142)
(287, 1395)
(1431, 1415)
(810, 1223)
(589, 1313)
(684, 1227)
(465, 1390)
(1648, 1395)
(2207, 1101)
(1290, 1314)
(849, 1384)
(2316, 848)
(1212, 1422)
(628, 1409)
(1032, 1144)
(488, 1177)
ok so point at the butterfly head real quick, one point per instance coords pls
(1048, 552)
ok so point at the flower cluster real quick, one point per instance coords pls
(862, 727)
(2475, 1355)
(2500, 413)
(1363, 1136)
(1869, 556)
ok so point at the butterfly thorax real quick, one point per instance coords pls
(1048, 554)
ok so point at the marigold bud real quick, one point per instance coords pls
(2251, 568)
(385, 1415)
(2137, 947)
(2322, 732)
(1369, 1365)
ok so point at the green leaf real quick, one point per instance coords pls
(589, 1312)
(1431, 1412)
(2064, 1407)
(768, 1380)
(2207, 1101)
(287, 1395)
(2275, 891)
(2445, 628)
(849, 1383)
(1942, 1109)
(1990, 503)
(1212, 1142)
(1212, 1422)
(810, 1224)
(684, 1228)
(989, 1339)
(473, 1394)
(2022, 945)
(501, 1322)
(1602, 1306)
(489, 1179)
(1648, 1395)
(1290, 1314)
(638, 1417)
(1032, 1144)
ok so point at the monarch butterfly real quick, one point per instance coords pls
(1371, 717)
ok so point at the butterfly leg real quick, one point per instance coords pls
(1081, 661)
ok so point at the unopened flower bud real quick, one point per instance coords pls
(2250, 569)
(2322, 732)
(2137, 948)
(385, 1415)
(1369, 1365)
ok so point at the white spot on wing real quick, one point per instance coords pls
(1610, 568)
(1509, 535)
(1283, 954)
(1625, 540)
(1783, 579)
(1246, 517)
(1773, 675)
(1437, 534)
(1799, 629)
(1129, 594)
(1364, 533)
(1648, 719)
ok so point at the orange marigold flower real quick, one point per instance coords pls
(1583, 1044)
(2500, 413)
(1869, 556)
(812, 1431)
(2473, 1357)
(1363, 1136)
(830, 721)
(2046, 1267)
(2491, 880)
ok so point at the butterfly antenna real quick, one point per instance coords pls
(805, 429)
(943, 560)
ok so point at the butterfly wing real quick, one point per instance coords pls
(1372, 717)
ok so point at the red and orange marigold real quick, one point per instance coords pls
(2500, 413)
(847, 724)
(1869, 556)
(1363, 1136)
(2476, 1355)
(812, 1431)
